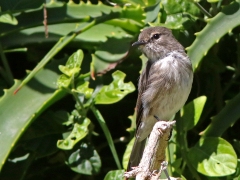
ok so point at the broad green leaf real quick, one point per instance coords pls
(20, 5)
(114, 175)
(152, 13)
(178, 21)
(131, 18)
(191, 113)
(100, 33)
(85, 160)
(127, 153)
(115, 91)
(78, 133)
(121, 46)
(133, 13)
(216, 27)
(90, 38)
(178, 6)
(225, 118)
(59, 12)
(41, 137)
(100, 66)
(213, 157)
(104, 13)
(27, 104)
(8, 19)
(127, 24)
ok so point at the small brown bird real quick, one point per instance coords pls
(164, 84)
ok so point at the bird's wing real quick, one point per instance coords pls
(138, 147)
(142, 86)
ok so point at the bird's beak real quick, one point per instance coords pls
(138, 43)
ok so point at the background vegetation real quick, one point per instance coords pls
(69, 113)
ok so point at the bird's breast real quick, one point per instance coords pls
(169, 84)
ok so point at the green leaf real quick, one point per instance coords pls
(127, 153)
(100, 66)
(42, 146)
(225, 118)
(8, 19)
(190, 113)
(212, 1)
(133, 13)
(152, 12)
(216, 27)
(213, 157)
(78, 133)
(107, 134)
(121, 46)
(114, 175)
(103, 13)
(73, 64)
(179, 6)
(178, 21)
(20, 5)
(69, 72)
(63, 81)
(43, 133)
(100, 33)
(85, 160)
(29, 102)
(115, 91)
(82, 88)
(127, 24)
(59, 12)
(144, 61)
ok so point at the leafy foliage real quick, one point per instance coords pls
(67, 118)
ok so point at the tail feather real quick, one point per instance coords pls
(136, 154)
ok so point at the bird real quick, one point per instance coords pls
(164, 84)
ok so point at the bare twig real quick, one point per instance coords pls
(45, 20)
(154, 153)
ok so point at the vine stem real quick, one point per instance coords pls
(106, 131)
(181, 139)
(8, 76)
(204, 11)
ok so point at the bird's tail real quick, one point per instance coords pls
(136, 154)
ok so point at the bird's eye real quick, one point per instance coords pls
(156, 36)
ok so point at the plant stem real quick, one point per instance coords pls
(27, 164)
(106, 131)
(181, 139)
(56, 48)
(204, 11)
(9, 76)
